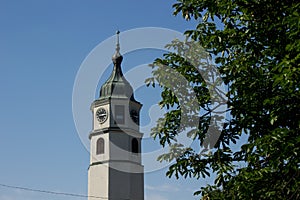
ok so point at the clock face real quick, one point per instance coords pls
(134, 116)
(101, 115)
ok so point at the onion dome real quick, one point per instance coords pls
(116, 85)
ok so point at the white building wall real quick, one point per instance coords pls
(98, 185)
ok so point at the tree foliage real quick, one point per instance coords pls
(256, 47)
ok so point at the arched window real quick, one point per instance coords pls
(134, 145)
(100, 146)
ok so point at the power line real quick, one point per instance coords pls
(51, 192)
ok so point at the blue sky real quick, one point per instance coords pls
(42, 46)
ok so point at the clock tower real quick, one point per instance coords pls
(115, 171)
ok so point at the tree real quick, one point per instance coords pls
(256, 47)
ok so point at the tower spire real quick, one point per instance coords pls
(118, 42)
(117, 56)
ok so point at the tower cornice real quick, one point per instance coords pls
(129, 131)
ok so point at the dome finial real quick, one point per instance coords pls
(117, 53)
(118, 41)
